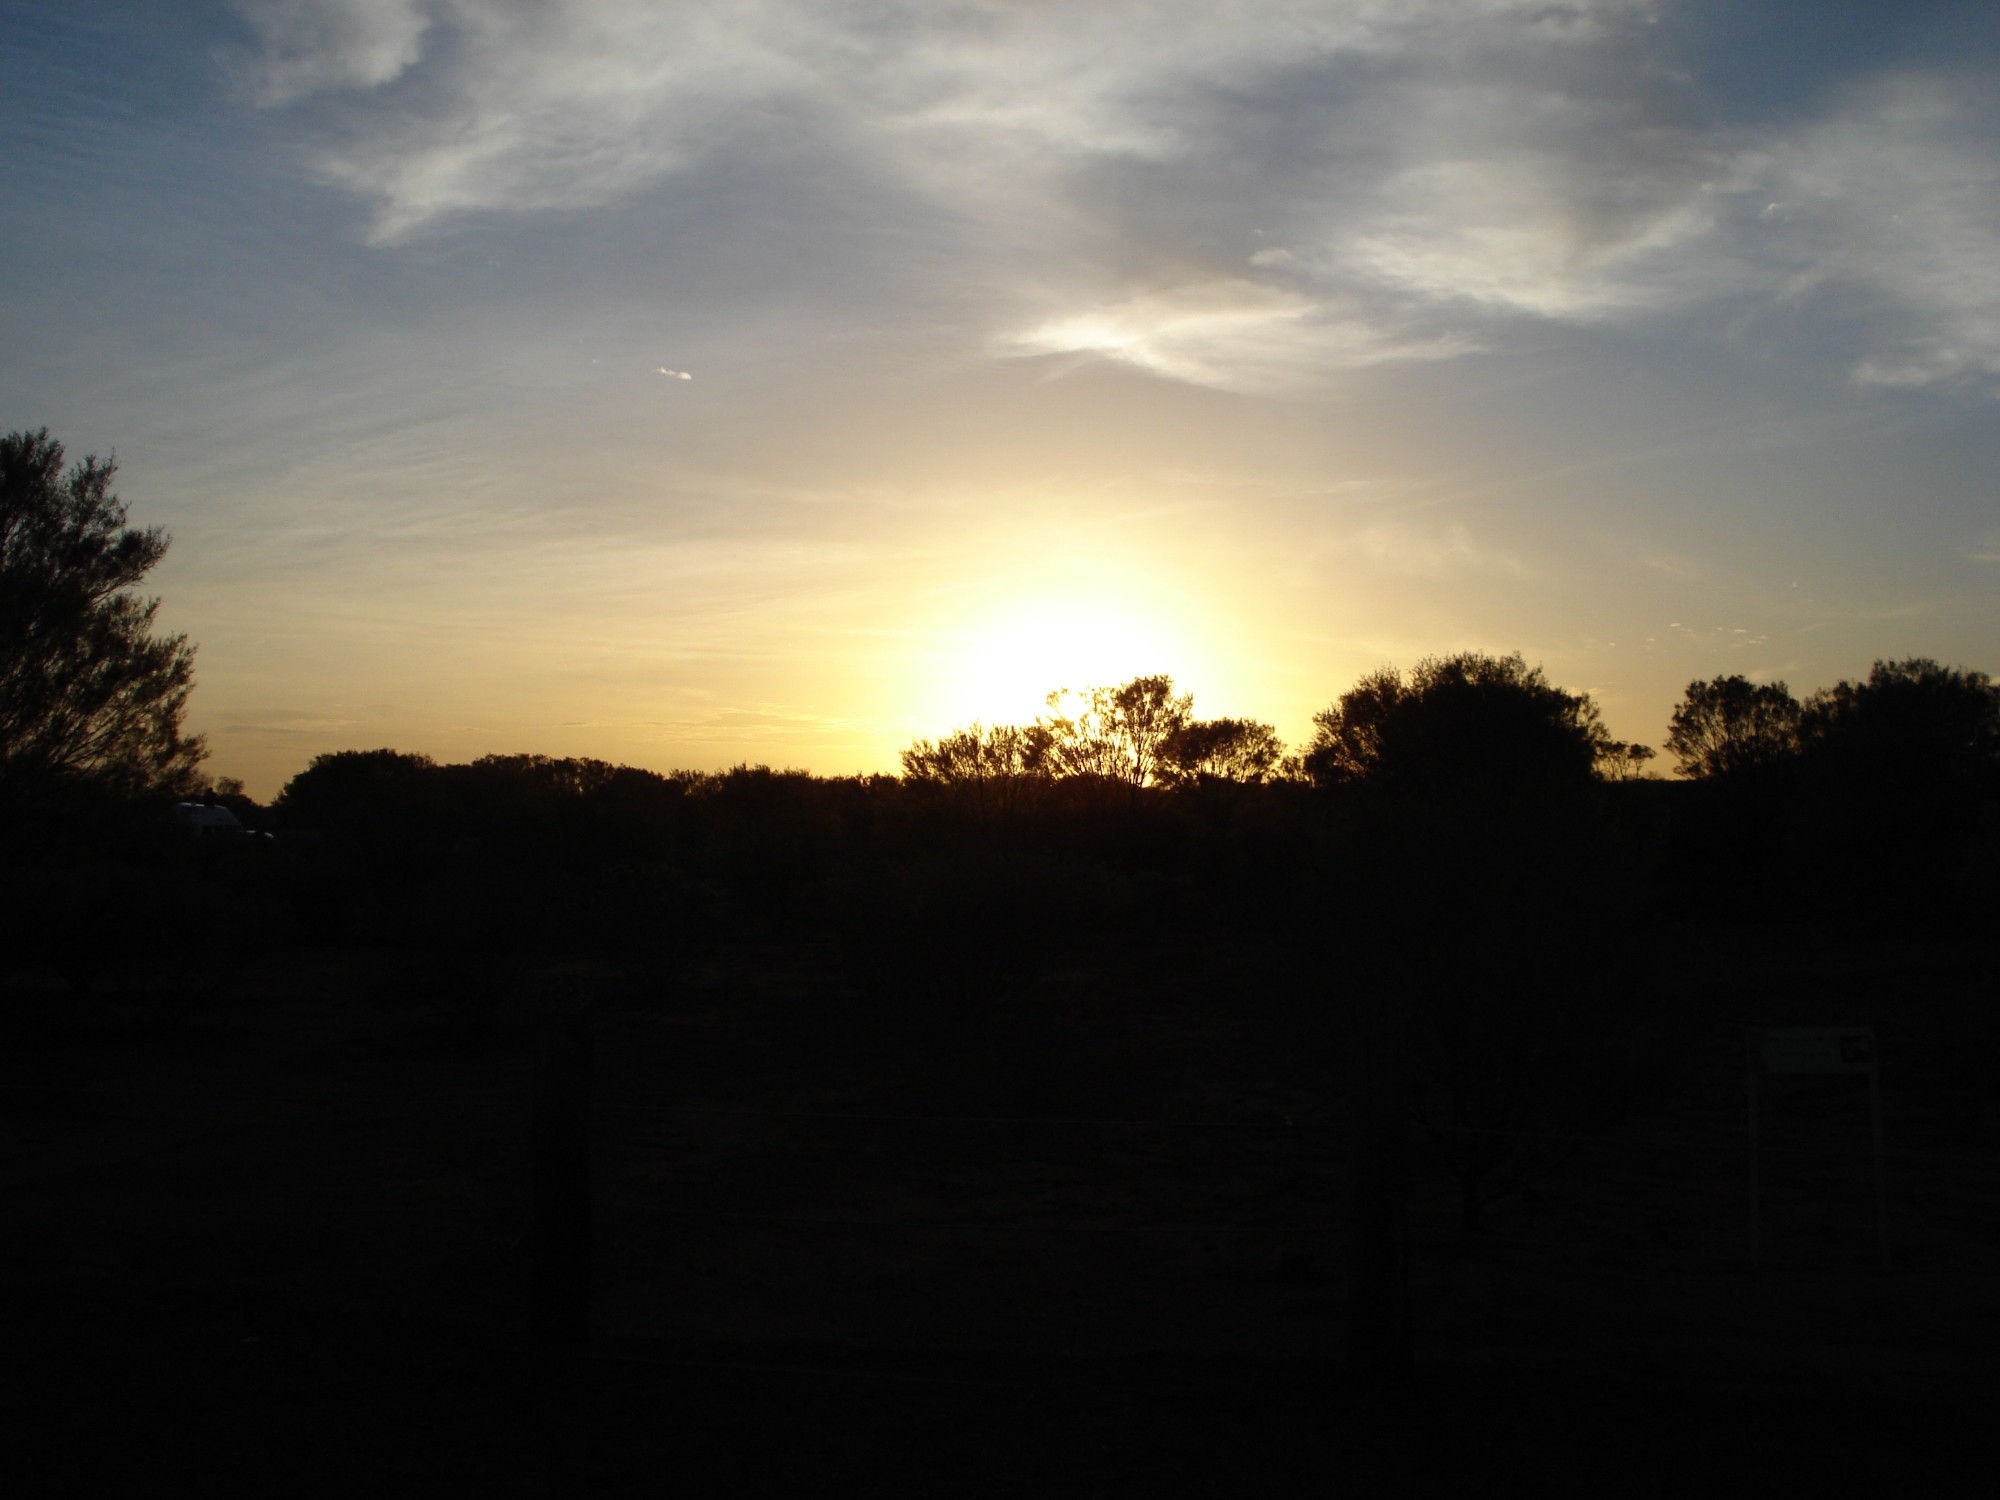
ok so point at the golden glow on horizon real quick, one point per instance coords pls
(1001, 669)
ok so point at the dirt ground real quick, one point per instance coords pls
(1093, 1241)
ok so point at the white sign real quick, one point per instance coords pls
(1817, 1049)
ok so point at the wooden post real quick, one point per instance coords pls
(1378, 1312)
(562, 1172)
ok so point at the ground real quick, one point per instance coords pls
(1094, 1238)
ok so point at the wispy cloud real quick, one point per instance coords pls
(1232, 334)
(1412, 549)
(1237, 196)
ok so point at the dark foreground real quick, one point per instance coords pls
(412, 1419)
(279, 1244)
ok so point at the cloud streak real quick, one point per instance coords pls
(1241, 196)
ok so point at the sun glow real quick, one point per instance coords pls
(1001, 670)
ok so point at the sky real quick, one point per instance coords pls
(688, 384)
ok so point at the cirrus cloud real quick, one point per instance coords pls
(1243, 196)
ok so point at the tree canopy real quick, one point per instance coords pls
(1457, 723)
(86, 690)
(1731, 726)
(1913, 724)
(1143, 734)
(1117, 733)
(1221, 750)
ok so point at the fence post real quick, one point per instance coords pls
(561, 1134)
(1378, 1309)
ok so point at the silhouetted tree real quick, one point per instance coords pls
(1464, 723)
(85, 689)
(1617, 761)
(1913, 725)
(1731, 726)
(357, 791)
(1221, 750)
(982, 775)
(979, 754)
(1116, 733)
(1900, 788)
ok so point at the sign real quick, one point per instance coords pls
(1816, 1049)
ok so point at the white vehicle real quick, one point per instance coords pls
(212, 821)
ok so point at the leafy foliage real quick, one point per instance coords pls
(1119, 734)
(1142, 735)
(85, 688)
(1730, 726)
(1240, 750)
(1463, 723)
(1913, 724)
(978, 754)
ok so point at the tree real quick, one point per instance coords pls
(374, 792)
(1617, 761)
(979, 754)
(1117, 733)
(86, 690)
(1463, 723)
(1221, 750)
(1732, 727)
(1913, 727)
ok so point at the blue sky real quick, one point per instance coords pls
(686, 384)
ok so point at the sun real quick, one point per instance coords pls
(1001, 669)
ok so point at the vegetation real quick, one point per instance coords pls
(1732, 727)
(1464, 724)
(87, 692)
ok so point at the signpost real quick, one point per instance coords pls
(1776, 1051)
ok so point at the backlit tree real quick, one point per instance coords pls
(86, 690)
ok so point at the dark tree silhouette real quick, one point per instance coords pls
(86, 690)
(979, 754)
(359, 790)
(1913, 725)
(1221, 750)
(1465, 723)
(1117, 733)
(1618, 761)
(1731, 726)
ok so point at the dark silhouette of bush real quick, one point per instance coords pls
(1901, 780)
(1234, 750)
(1913, 727)
(1468, 724)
